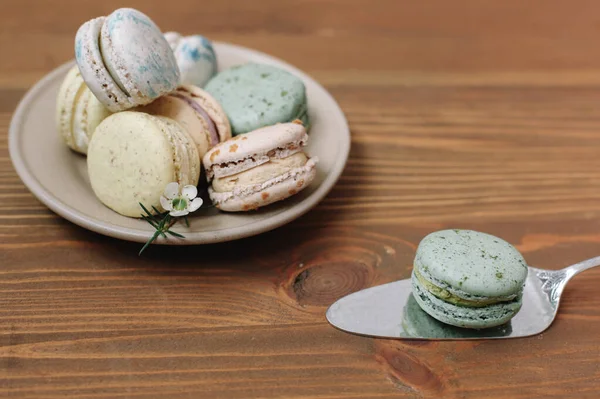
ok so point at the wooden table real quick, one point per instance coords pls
(468, 114)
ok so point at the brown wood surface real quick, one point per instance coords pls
(465, 113)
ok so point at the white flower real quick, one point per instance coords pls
(180, 204)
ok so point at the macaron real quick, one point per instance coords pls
(468, 279)
(195, 57)
(125, 59)
(78, 112)
(198, 112)
(133, 156)
(258, 168)
(257, 95)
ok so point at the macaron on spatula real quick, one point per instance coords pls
(390, 310)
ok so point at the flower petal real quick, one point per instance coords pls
(195, 204)
(172, 190)
(177, 214)
(190, 192)
(166, 204)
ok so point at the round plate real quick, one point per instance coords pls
(58, 177)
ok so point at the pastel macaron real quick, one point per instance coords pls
(78, 112)
(133, 156)
(257, 95)
(197, 111)
(468, 279)
(195, 57)
(258, 168)
(125, 59)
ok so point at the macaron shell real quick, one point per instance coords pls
(69, 91)
(460, 316)
(130, 161)
(257, 147)
(471, 262)
(257, 95)
(277, 189)
(93, 70)
(212, 108)
(96, 113)
(138, 56)
(180, 154)
(80, 128)
(89, 113)
(187, 161)
(195, 163)
(178, 110)
(195, 57)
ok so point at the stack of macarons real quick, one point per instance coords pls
(147, 108)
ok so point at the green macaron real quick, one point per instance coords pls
(468, 279)
(257, 95)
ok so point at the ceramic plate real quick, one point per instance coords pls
(58, 177)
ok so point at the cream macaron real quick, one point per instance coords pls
(260, 167)
(198, 112)
(133, 156)
(78, 112)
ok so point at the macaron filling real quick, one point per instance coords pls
(105, 43)
(214, 136)
(244, 191)
(447, 296)
(92, 65)
(100, 45)
(230, 168)
(464, 316)
(258, 175)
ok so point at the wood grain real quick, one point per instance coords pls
(472, 114)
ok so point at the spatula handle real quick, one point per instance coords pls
(581, 266)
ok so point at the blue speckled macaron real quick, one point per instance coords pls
(468, 279)
(257, 95)
(125, 60)
(195, 57)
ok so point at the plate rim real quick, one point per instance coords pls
(192, 238)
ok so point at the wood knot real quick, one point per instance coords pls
(321, 285)
(319, 271)
(404, 369)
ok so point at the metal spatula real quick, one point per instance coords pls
(390, 311)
